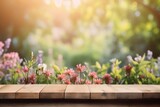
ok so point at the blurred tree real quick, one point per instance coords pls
(91, 31)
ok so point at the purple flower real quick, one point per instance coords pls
(149, 54)
(21, 81)
(7, 77)
(7, 43)
(40, 57)
(1, 45)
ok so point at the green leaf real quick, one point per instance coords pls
(98, 65)
(56, 68)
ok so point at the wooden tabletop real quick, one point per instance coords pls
(61, 91)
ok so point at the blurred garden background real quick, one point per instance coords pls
(77, 31)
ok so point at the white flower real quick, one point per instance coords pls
(158, 64)
(43, 66)
(138, 58)
(149, 54)
(8, 43)
(129, 58)
(113, 60)
(159, 60)
(1, 51)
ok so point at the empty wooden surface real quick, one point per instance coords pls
(61, 91)
(102, 92)
(127, 92)
(149, 91)
(8, 91)
(1, 86)
(77, 92)
(53, 92)
(29, 92)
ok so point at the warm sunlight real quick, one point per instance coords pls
(95, 30)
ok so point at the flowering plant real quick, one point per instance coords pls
(14, 70)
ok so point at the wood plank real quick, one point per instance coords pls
(77, 92)
(149, 91)
(127, 92)
(56, 91)
(2, 86)
(29, 91)
(8, 91)
(102, 92)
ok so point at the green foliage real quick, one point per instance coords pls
(106, 29)
(116, 72)
(101, 69)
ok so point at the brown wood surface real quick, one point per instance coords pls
(149, 91)
(59, 91)
(8, 91)
(1, 86)
(29, 92)
(127, 92)
(102, 92)
(77, 92)
(53, 92)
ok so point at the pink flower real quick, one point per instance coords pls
(10, 60)
(67, 81)
(1, 45)
(88, 82)
(73, 78)
(47, 73)
(98, 81)
(107, 78)
(32, 79)
(93, 74)
(25, 69)
(61, 77)
(69, 72)
(80, 68)
(82, 81)
(128, 69)
(18, 70)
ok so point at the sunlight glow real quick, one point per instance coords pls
(66, 3)
(58, 3)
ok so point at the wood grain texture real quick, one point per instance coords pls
(8, 91)
(1, 86)
(59, 91)
(102, 92)
(53, 92)
(127, 92)
(149, 91)
(29, 92)
(77, 92)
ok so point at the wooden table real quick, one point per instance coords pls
(79, 95)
